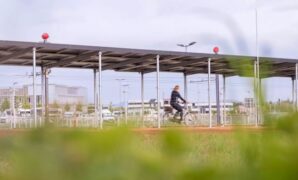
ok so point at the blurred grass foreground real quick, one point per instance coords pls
(270, 153)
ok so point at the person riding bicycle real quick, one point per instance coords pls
(175, 96)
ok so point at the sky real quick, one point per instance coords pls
(155, 24)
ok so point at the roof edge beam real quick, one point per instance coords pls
(15, 55)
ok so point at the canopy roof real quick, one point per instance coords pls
(138, 60)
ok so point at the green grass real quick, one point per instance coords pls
(123, 154)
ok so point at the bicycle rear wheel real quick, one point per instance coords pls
(189, 119)
(165, 119)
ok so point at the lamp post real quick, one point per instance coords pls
(186, 45)
(185, 75)
(120, 91)
(126, 100)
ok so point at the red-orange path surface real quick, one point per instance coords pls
(9, 132)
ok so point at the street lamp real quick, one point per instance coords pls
(186, 45)
(126, 100)
(120, 92)
(120, 85)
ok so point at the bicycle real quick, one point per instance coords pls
(170, 116)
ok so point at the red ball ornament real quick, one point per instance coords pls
(216, 50)
(45, 36)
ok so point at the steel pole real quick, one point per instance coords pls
(126, 107)
(224, 100)
(157, 88)
(256, 93)
(185, 90)
(120, 100)
(42, 91)
(209, 95)
(257, 71)
(142, 97)
(296, 87)
(293, 79)
(120, 103)
(95, 98)
(99, 88)
(43, 79)
(47, 120)
(34, 87)
(217, 99)
(199, 112)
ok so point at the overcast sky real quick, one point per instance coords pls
(154, 24)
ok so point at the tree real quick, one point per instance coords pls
(55, 105)
(26, 105)
(79, 107)
(67, 107)
(5, 105)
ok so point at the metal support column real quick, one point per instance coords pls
(99, 89)
(209, 95)
(217, 99)
(256, 90)
(157, 88)
(46, 99)
(34, 87)
(142, 97)
(185, 90)
(296, 87)
(95, 120)
(42, 74)
(224, 100)
(293, 90)
(257, 71)
(42, 91)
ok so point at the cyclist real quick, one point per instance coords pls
(175, 96)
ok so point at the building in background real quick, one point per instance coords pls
(203, 108)
(59, 94)
(249, 102)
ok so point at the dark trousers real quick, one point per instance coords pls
(178, 108)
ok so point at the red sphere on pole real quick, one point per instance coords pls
(216, 50)
(45, 36)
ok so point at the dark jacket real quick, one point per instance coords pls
(175, 96)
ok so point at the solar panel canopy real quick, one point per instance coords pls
(52, 55)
